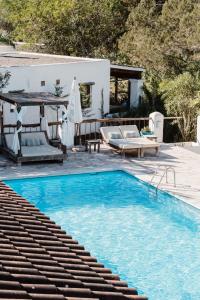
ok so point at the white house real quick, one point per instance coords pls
(36, 72)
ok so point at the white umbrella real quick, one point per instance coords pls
(66, 131)
(74, 111)
(74, 108)
(73, 115)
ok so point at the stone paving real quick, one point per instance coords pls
(184, 160)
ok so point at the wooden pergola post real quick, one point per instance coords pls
(19, 125)
(116, 89)
(41, 115)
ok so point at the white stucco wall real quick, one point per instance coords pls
(29, 78)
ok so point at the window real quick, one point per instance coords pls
(42, 83)
(86, 94)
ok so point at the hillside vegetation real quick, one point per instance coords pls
(161, 36)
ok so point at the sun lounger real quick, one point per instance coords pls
(34, 147)
(127, 137)
(112, 135)
(131, 133)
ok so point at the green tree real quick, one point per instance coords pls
(182, 98)
(164, 38)
(73, 27)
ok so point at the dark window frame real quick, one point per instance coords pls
(86, 95)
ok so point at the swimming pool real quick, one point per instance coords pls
(153, 243)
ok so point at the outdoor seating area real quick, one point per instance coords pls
(26, 119)
(24, 142)
(127, 139)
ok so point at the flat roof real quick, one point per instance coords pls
(126, 72)
(128, 68)
(32, 99)
(40, 261)
(15, 58)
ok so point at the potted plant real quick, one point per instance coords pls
(146, 131)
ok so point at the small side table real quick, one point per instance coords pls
(95, 143)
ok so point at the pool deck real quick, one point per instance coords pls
(184, 160)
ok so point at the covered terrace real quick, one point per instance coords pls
(126, 85)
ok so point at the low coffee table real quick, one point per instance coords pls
(95, 143)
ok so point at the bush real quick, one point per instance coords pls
(182, 98)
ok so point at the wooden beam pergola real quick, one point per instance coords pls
(32, 99)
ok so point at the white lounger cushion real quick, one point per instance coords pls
(111, 132)
(33, 144)
(28, 139)
(40, 150)
(130, 134)
(33, 139)
(124, 144)
(144, 142)
(129, 131)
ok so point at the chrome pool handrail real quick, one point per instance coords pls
(164, 174)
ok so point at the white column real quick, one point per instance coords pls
(135, 92)
(156, 124)
(198, 130)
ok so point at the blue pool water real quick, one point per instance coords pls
(152, 243)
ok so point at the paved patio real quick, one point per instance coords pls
(185, 161)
